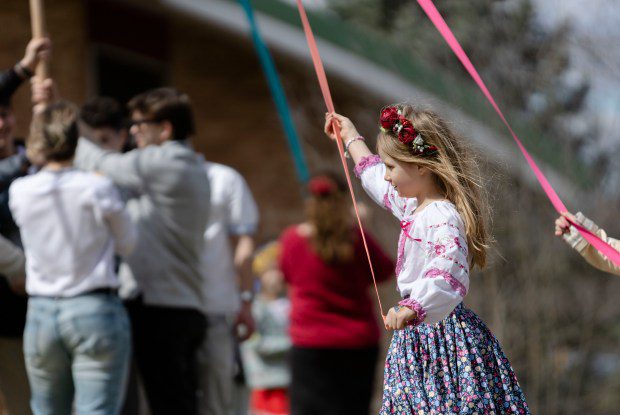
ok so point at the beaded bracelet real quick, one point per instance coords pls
(349, 142)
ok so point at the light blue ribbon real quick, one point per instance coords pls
(277, 92)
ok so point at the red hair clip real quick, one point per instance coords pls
(321, 186)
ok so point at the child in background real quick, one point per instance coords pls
(265, 354)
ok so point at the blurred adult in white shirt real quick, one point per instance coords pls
(228, 283)
(77, 336)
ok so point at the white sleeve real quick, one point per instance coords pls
(243, 212)
(371, 171)
(444, 278)
(110, 207)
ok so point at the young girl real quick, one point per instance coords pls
(442, 359)
(77, 336)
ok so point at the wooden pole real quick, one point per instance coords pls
(37, 21)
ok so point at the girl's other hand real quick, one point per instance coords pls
(347, 129)
(398, 317)
(562, 225)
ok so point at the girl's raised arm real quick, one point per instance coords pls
(368, 166)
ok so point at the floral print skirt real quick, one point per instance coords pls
(453, 367)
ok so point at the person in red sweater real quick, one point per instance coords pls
(333, 324)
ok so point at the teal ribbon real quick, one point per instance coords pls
(277, 92)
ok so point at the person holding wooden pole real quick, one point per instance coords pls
(13, 164)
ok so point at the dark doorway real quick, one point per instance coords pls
(130, 48)
(122, 77)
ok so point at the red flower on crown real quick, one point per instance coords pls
(407, 133)
(389, 117)
(321, 186)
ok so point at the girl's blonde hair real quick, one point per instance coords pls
(54, 133)
(328, 210)
(455, 169)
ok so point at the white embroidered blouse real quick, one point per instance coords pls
(432, 265)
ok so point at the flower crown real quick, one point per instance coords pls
(394, 123)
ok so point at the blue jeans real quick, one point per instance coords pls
(77, 346)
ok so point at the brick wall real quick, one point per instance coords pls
(236, 119)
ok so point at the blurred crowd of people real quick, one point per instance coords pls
(128, 264)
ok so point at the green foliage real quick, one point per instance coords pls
(513, 53)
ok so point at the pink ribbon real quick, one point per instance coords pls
(435, 17)
(406, 225)
(320, 72)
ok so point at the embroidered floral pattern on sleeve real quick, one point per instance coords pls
(439, 246)
(365, 163)
(434, 250)
(446, 242)
(449, 225)
(457, 242)
(454, 283)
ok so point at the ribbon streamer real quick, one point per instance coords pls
(440, 24)
(320, 72)
(277, 92)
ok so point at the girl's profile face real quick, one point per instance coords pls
(405, 177)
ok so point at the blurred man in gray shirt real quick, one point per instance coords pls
(163, 277)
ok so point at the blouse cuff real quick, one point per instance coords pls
(586, 222)
(574, 238)
(365, 163)
(415, 306)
